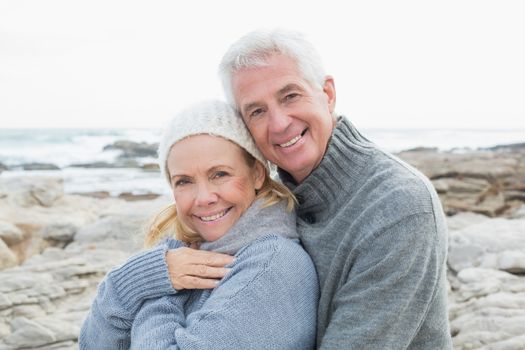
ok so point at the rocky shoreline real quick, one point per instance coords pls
(55, 247)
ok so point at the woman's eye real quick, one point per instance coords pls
(220, 174)
(181, 182)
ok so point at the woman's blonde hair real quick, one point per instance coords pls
(167, 223)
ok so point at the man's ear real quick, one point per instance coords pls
(260, 175)
(329, 90)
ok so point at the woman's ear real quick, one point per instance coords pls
(259, 173)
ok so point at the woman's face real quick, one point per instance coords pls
(212, 183)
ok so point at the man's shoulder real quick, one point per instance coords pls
(394, 177)
(392, 191)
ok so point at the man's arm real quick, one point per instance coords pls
(394, 281)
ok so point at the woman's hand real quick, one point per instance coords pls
(196, 269)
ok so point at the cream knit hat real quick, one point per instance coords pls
(208, 117)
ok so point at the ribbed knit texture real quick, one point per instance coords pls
(375, 230)
(267, 301)
(208, 117)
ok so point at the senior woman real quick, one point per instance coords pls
(224, 201)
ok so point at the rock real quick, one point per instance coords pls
(466, 165)
(513, 147)
(127, 196)
(474, 283)
(514, 195)
(150, 167)
(47, 192)
(491, 183)
(491, 319)
(421, 149)
(28, 333)
(7, 257)
(39, 166)
(94, 165)
(132, 149)
(44, 300)
(487, 245)
(466, 185)
(121, 230)
(63, 233)
(34, 190)
(9, 233)
(520, 213)
(463, 220)
(95, 194)
(512, 261)
(5, 302)
(28, 311)
(119, 163)
(3, 167)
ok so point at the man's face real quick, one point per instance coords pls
(289, 118)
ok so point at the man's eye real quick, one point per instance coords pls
(256, 112)
(291, 96)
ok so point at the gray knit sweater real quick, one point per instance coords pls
(375, 230)
(267, 301)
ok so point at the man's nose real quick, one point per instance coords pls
(279, 120)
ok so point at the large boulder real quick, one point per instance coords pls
(487, 310)
(30, 191)
(131, 149)
(498, 244)
(39, 166)
(7, 257)
(124, 232)
(9, 233)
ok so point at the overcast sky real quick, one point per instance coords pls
(122, 63)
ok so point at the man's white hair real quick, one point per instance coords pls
(254, 49)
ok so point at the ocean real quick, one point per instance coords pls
(64, 147)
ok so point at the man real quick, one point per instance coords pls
(373, 225)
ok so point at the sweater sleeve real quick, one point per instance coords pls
(121, 294)
(267, 301)
(390, 288)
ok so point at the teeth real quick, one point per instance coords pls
(291, 142)
(213, 217)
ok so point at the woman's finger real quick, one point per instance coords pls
(204, 271)
(193, 269)
(192, 282)
(202, 257)
(197, 257)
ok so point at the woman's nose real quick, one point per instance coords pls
(206, 195)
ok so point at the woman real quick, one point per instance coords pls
(225, 202)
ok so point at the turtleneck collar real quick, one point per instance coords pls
(340, 170)
(257, 221)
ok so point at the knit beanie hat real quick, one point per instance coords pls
(209, 117)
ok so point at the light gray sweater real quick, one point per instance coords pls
(267, 301)
(375, 230)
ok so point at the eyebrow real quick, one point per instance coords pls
(212, 169)
(288, 88)
(280, 92)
